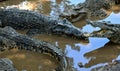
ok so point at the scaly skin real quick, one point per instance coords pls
(90, 8)
(111, 31)
(37, 23)
(9, 39)
(6, 65)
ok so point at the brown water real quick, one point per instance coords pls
(92, 53)
(30, 61)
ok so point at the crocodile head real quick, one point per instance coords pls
(111, 31)
(66, 27)
(102, 25)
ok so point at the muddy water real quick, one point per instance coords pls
(92, 53)
(30, 61)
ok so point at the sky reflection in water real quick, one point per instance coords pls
(94, 43)
(76, 1)
(90, 29)
(78, 56)
(114, 18)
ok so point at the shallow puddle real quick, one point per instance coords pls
(92, 53)
(30, 61)
(114, 18)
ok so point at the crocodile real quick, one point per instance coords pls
(10, 39)
(88, 9)
(108, 30)
(6, 65)
(37, 23)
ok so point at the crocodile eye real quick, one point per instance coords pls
(64, 20)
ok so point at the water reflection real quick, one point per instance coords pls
(114, 14)
(78, 56)
(90, 29)
(76, 1)
(105, 54)
(58, 40)
(91, 54)
(114, 18)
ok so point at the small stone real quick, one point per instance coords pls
(80, 64)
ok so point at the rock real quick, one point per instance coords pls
(80, 64)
